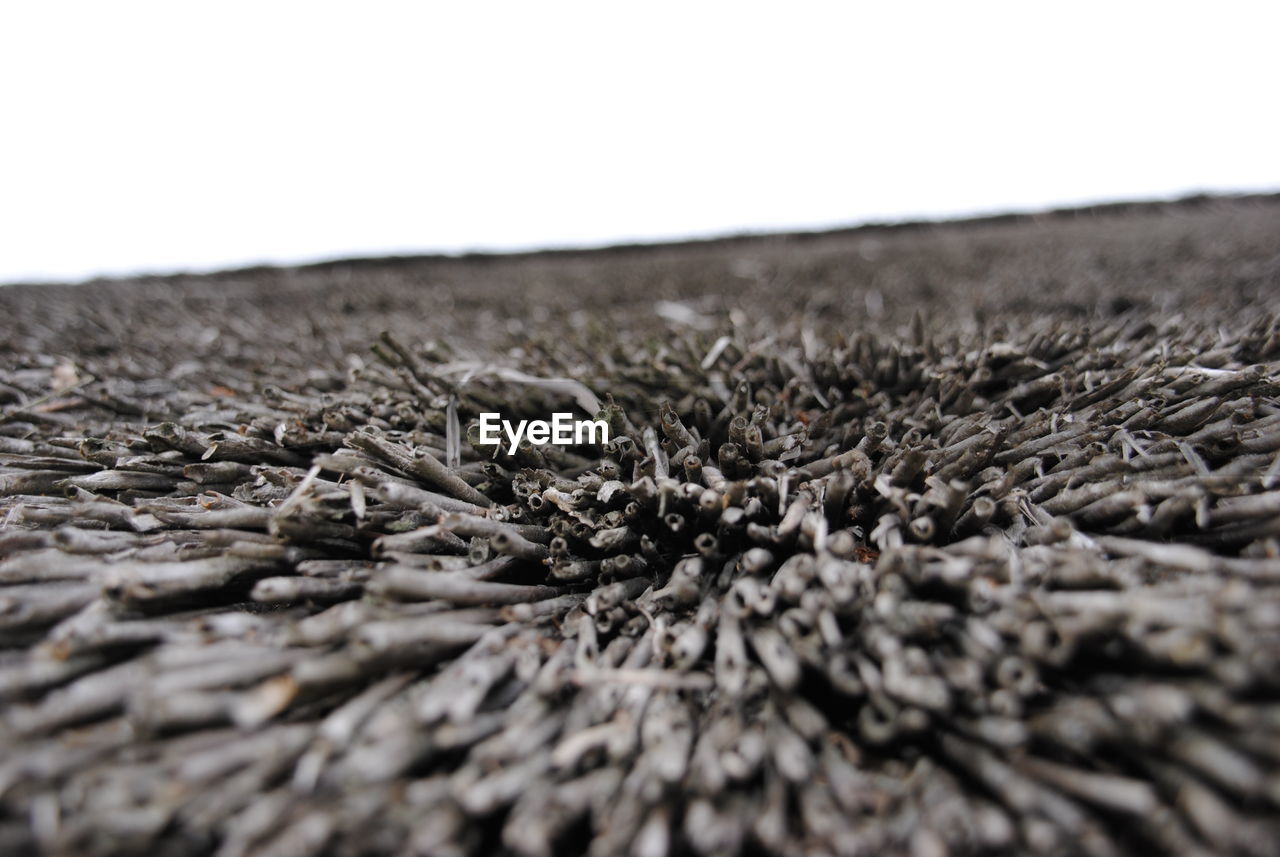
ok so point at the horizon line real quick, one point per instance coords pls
(479, 252)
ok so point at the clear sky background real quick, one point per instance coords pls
(162, 136)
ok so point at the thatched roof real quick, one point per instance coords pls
(957, 538)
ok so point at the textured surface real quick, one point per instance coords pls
(946, 539)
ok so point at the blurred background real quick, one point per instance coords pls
(159, 137)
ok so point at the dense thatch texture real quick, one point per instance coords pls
(950, 539)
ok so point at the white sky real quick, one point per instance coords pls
(161, 136)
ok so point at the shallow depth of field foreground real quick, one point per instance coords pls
(940, 540)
